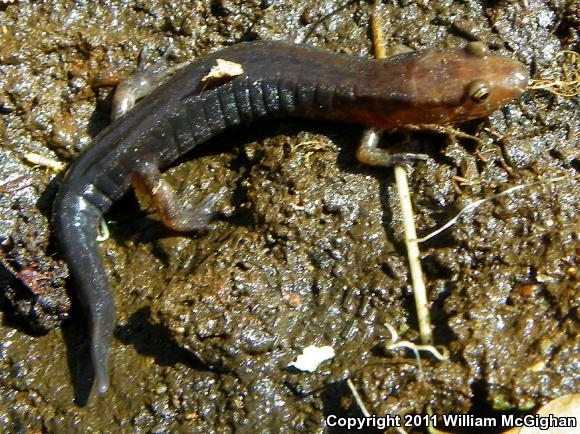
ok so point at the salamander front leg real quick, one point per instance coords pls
(142, 82)
(368, 151)
(175, 215)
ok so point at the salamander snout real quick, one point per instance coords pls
(489, 82)
(460, 84)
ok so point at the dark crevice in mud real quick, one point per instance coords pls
(17, 303)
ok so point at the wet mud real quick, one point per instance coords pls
(309, 249)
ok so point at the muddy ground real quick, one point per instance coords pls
(310, 248)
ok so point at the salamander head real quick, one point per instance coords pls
(446, 86)
(488, 82)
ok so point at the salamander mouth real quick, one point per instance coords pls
(460, 113)
(519, 80)
(463, 114)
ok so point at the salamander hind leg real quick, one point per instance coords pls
(142, 82)
(174, 214)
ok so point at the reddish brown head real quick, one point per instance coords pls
(442, 86)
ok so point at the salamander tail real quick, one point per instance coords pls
(76, 222)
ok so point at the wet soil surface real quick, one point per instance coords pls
(310, 247)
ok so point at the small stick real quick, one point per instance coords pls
(419, 290)
(377, 31)
(357, 398)
(396, 343)
(478, 202)
(361, 404)
(103, 232)
(413, 254)
(568, 84)
(41, 160)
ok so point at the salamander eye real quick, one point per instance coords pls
(478, 91)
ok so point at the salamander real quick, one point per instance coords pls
(436, 86)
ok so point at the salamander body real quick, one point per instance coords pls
(278, 80)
